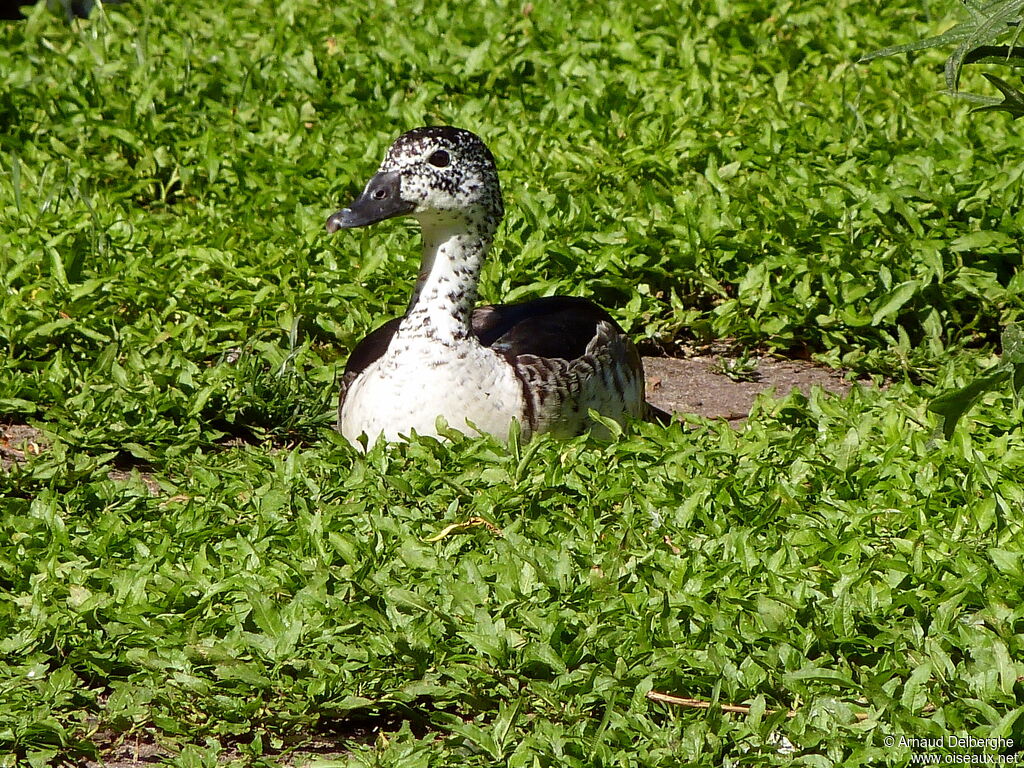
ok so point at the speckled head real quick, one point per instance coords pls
(437, 174)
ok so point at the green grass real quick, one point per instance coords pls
(719, 170)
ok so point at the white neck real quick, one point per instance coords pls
(442, 302)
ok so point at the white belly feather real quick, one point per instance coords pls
(416, 381)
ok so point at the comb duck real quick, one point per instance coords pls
(543, 363)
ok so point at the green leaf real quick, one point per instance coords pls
(895, 300)
(1012, 341)
(951, 406)
(957, 34)
(1013, 99)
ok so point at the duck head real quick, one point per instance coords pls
(437, 174)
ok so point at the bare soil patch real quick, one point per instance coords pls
(699, 385)
(18, 442)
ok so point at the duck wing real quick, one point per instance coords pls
(571, 355)
(554, 326)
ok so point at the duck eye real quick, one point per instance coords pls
(439, 159)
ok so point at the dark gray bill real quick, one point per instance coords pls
(380, 200)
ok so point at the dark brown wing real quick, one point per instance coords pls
(551, 327)
(555, 326)
(371, 349)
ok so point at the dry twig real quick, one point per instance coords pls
(740, 709)
(473, 521)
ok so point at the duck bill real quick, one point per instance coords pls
(380, 200)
